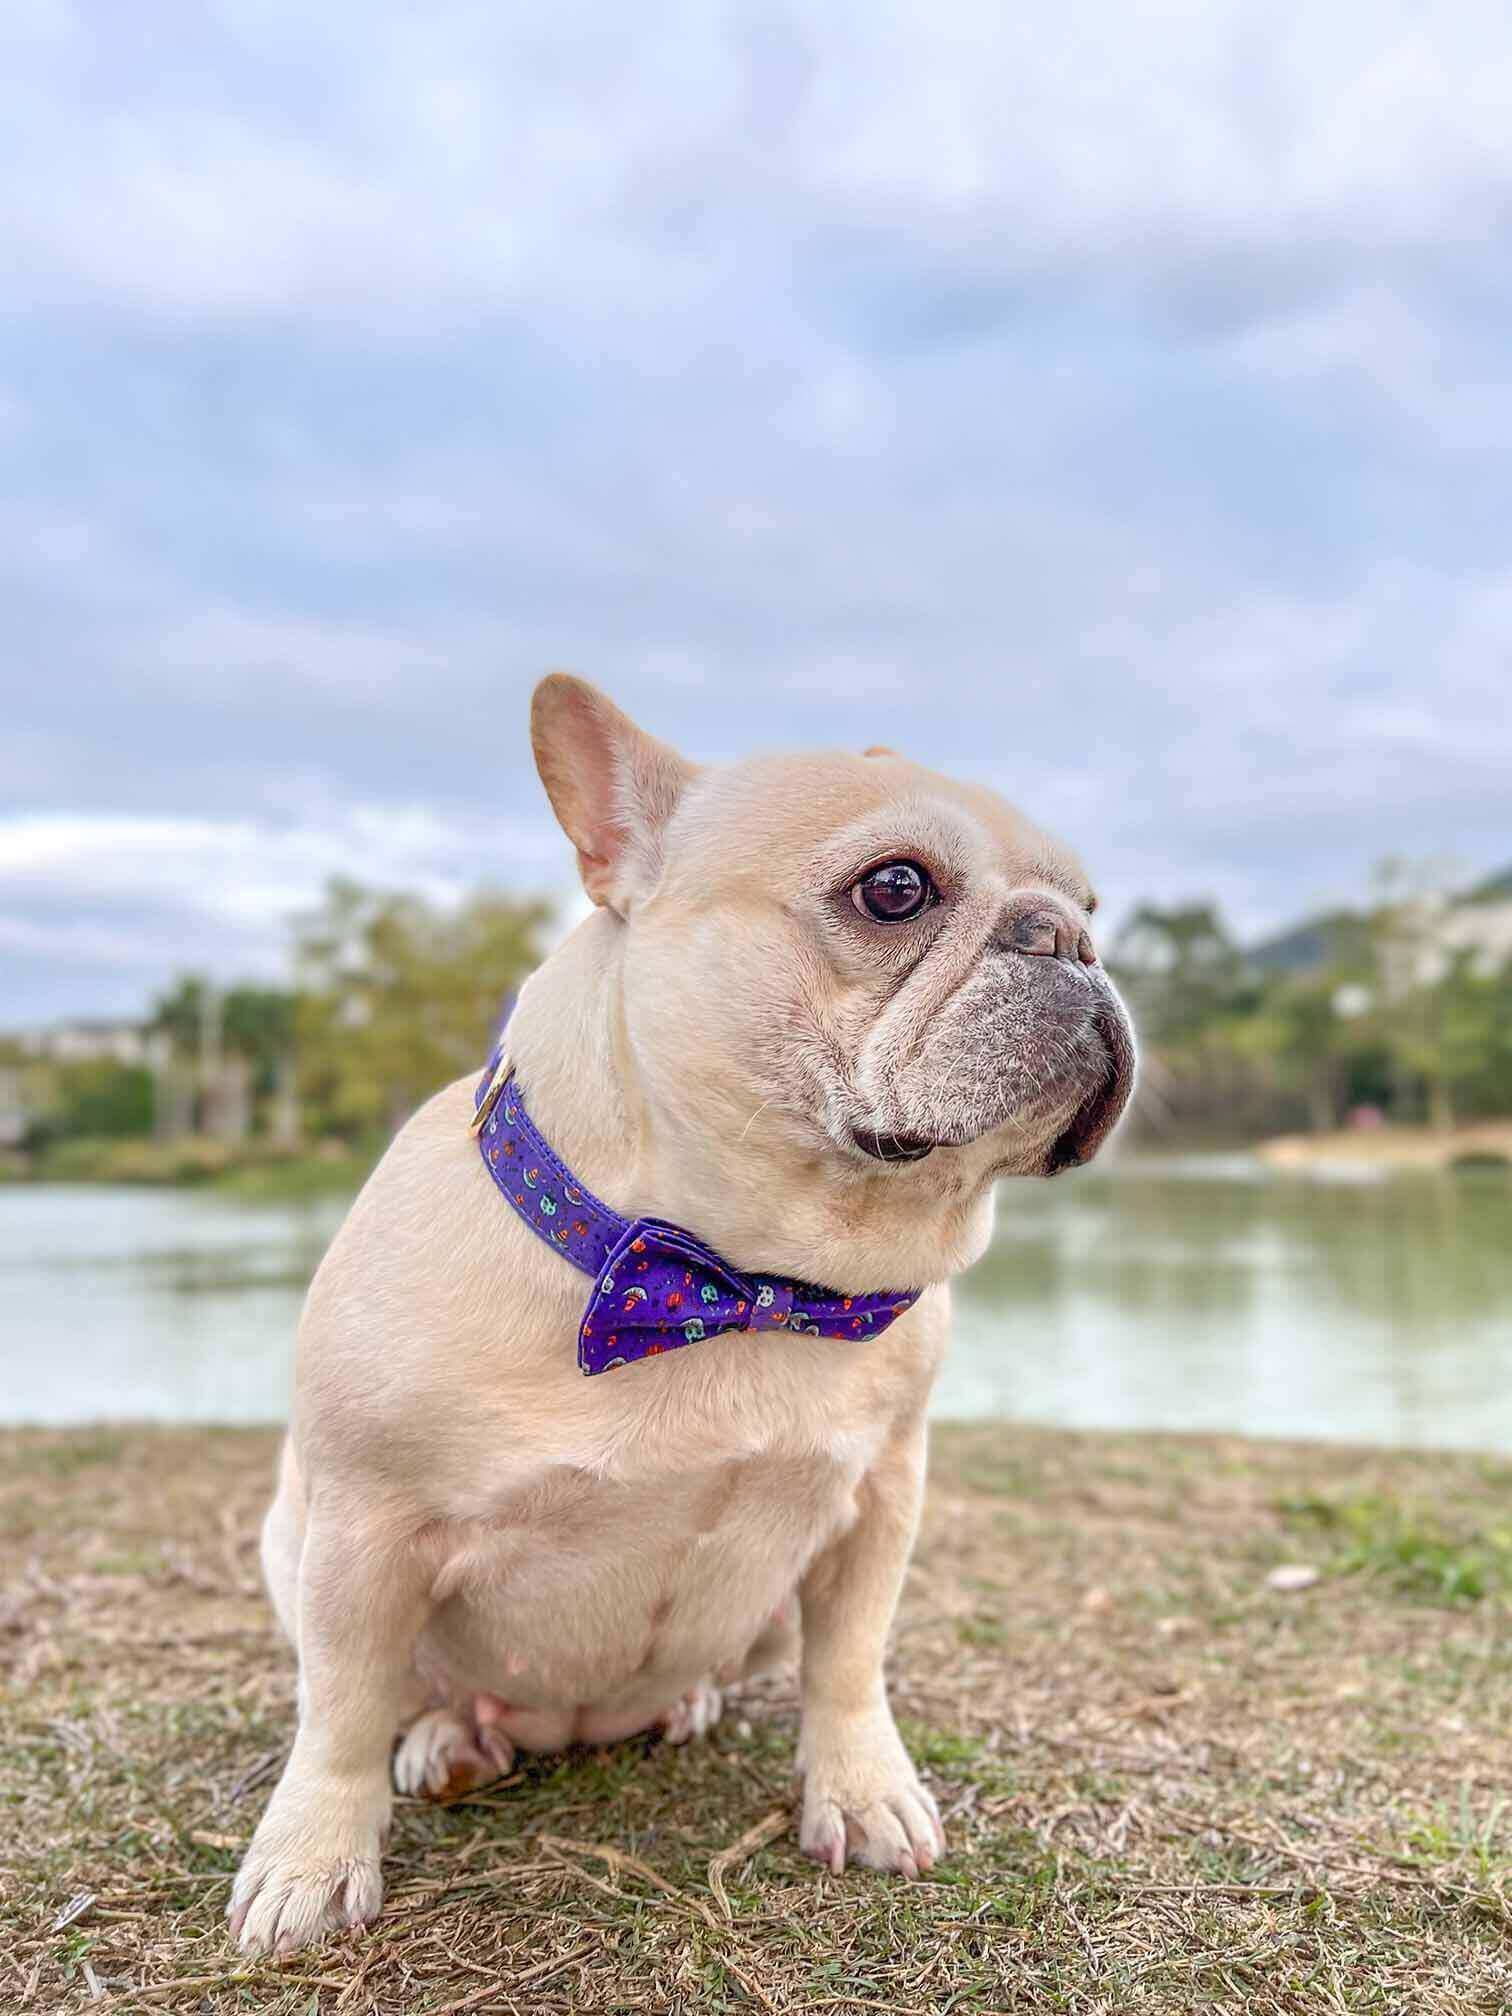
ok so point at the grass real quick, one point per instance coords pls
(1169, 1786)
(1411, 1547)
(253, 1171)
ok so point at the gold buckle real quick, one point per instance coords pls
(503, 1072)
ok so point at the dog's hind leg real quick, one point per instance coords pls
(777, 1644)
(444, 1752)
(695, 1714)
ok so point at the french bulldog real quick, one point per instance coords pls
(823, 1003)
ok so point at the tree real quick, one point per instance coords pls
(1311, 1033)
(98, 1100)
(397, 996)
(255, 1023)
(1439, 1010)
(1179, 966)
(1460, 1043)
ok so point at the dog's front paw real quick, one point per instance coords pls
(862, 1799)
(298, 1883)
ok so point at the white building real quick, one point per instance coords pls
(93, 1040)
(1436, 932)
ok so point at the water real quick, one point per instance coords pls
(1213, 1295)
(141, 1304)
(1200, 1295)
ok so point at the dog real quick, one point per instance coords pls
(822, 1004)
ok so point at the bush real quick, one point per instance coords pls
(97, 1101)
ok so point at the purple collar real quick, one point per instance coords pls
(656, 1287)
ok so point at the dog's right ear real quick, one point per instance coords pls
(612, 786)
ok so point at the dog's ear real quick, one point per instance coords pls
(612, 786)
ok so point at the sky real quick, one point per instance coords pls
(1110, 404)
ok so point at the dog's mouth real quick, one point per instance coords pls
(893, 1147)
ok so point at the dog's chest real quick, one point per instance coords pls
(667, 1551)
(661, 1504)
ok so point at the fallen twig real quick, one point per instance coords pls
(740, 1851)
(542, 1972)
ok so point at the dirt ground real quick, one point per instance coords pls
(1169, 1783)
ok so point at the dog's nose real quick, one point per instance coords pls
(1044, 931)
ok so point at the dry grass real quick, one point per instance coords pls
(1169, 1786)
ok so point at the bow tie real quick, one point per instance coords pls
(656, 1288)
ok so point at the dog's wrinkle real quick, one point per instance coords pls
(937, 1009)
(1025, 1051)
(647, 1659)
(723, 1491)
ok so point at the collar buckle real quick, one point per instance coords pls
(503, 1072)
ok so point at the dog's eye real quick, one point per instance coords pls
(894, 892)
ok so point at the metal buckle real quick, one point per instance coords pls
(503, 1072)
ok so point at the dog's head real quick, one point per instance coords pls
(854, 992)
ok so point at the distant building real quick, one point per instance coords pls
(96, 1040)
(1432, 932)
(1477, 929)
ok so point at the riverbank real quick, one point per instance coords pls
(1489, 1142)
(1170, 1783)
(256, 1172)
(251, 1171)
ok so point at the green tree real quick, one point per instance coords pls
(397, 997)
(1179, 967)
(98, 1100)
(1459, 1041)
(256, 1023)
(1309, 1036)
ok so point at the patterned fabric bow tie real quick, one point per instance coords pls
(656, 1287)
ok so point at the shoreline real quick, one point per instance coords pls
(194, 1164)
(260, 1173)
(1485, 1142)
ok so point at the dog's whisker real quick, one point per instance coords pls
(754, 1118)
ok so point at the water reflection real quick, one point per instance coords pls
(1198, 1295)
(1211, 1295)
(172, 1305)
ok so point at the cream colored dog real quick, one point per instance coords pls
(826, 1001)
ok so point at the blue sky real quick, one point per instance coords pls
(1112, 404)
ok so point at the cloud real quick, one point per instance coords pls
(235, 648)
(1116, 410)
(287, 162)
(117, 904)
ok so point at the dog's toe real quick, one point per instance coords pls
(863, 1802)
(440, 1756)
(695, 1714)
(278, 1905)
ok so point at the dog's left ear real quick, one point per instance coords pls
(612, 786)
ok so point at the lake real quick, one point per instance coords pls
(1197, 1294)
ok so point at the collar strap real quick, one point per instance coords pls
(656, 1287)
